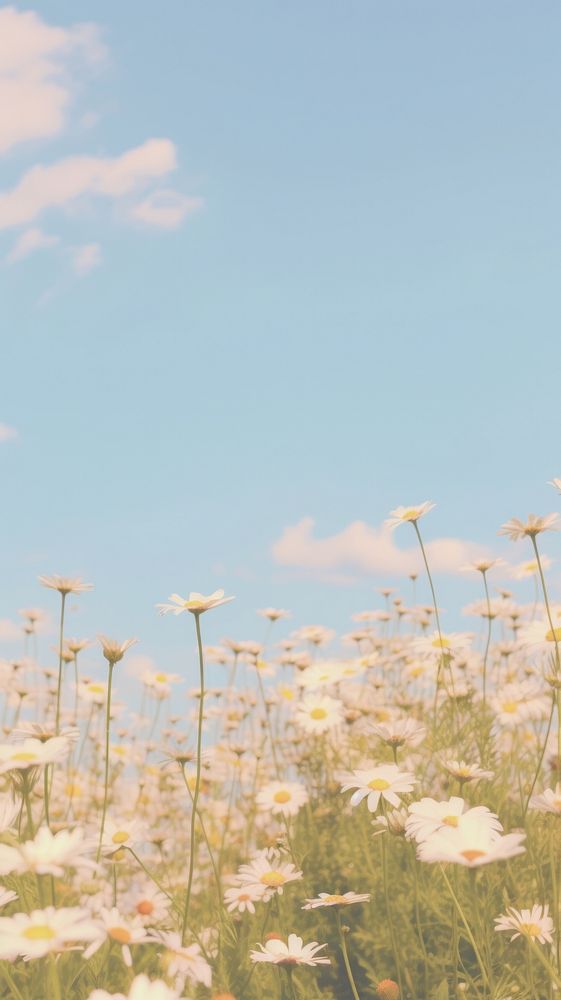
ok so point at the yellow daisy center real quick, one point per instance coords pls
(318, 713)
(161, 678)
(378, 784)
(553, 635)
(334, 899)
(120, 837)
(510, 707)
(533, 930)
(272, 878)
(96, 688)
(40, 932)
(282, 796)
(24, 755)
(145, 908)
(441, 643)
(450, 820)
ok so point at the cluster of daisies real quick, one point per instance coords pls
(312, 803)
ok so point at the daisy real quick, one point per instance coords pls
(322, 674)
(273, 614)
(439, 642)
(403, 514)
(32, 753)
(7, 896)
(286, 797)
(383, 781)
(42, 931)
(427, 816)
(47, 853)
(266, 869)
(325, 899)
(111, 925)
(148, 903)
(119, 833)
(541, 635)
(318, 715)
(113, 650)
(401, 732)
(471, 844)
(535, 923)
(295, 952)
(547, 801)
(466, 772)
(141, 988)
(516, 529)
(556, 483)
(530, 568)
(196, 603)
(65, 584)
(185, 962)
(242, 897)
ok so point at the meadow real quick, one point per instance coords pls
(380, 822)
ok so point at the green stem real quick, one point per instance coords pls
(488, 643)
(348, 969)
(197, 780)
(393, 938)
(106, 781)
(465, 922)
(60, 662)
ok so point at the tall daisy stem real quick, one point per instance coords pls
(106, 776)
(60, 662)
(197, 780)
(344, 950)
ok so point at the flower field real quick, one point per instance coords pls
(373, 815)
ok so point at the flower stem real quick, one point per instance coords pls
(348, 969)
(197, 780)
(467, 927)
(60, 661)
(106, 780)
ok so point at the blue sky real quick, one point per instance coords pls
(353, 304)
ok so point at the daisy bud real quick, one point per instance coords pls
(273, 936)
(223, 996)
(387, 989)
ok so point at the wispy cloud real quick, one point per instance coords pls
(61, 183)
(165, 209)
(28, 242)
(7, 433)
(35, 83)
(86, 258)
(363, 549)
(42, 70)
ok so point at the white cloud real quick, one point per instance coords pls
(361, 548)
(10, 631)
(35, 89)
(57, 185)
(28, 242)
(165, 209)
(86, 258)
(7, 433)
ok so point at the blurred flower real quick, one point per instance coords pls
(295, 952)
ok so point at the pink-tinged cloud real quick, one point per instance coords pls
(165, 209)
(35, 87)
(363, 549)
(61, 183)
(86, 258)
(7, 433)
(30, 241)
